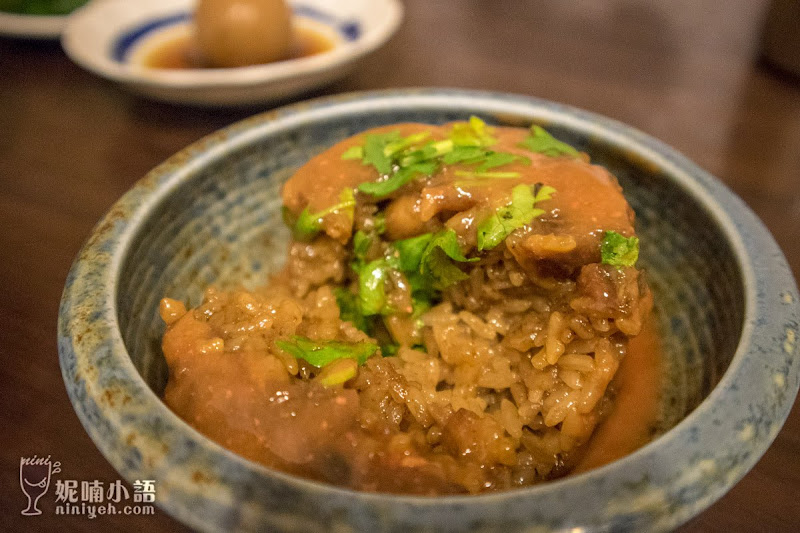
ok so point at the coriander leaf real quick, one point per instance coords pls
(349, 309)
(421, 286)
(428, 152)
(321, 353)
(332, 376)
(309, 224)
(374, 154)
(398, 179)
(361, 245)
(506, 219)
(618, 250)
(545, 192)
(437, 259)
(447, 241)
(371, 286)
(395, 147)
(487, 159)
(389, 349)
(411, 251)
(441, 269)
(354, 152)
(496, 159)
(464, 154)
(542, 142)
(380, 223)
(475, 132)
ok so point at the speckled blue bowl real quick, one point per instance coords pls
(726, 304)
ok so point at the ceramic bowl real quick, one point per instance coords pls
(107, 38)
(38, 27)
(726, 305)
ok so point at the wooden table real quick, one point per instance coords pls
(71, 144)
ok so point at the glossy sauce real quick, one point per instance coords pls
(635, 415)
(179, 52)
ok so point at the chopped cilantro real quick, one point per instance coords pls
(464, 154)
(389, 349)
(350, 309)
(371, 286)
(374, 151)
(506, 219)
(395, 147)
(618, 250)
(474, 132)
(469, 155)
(428, 152)
(399, 160)
(497, 159)
(354, 152)
(380, 223)
(398, 179)
(321, 353)
(542, 142)
(432, 256)
(309, 224)
(361, 245)
(411, 251)
(337, 375)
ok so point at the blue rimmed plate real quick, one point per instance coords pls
(110, 38)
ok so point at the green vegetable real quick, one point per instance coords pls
(432, 256)
(498, 159)
(380, 223)
(361, 245)
(411, 251)
(429, 152)
(354, 152)
(475, 132)
(337, 374)
(308, 224)
(618, 250)
(437, 260)
(350, 309)
(399, 160)
(374, 153)
(464, 154)
(542, 142)
(506, 219)
(371, 286)
(395, 147)
(469, 155)
(398, 179)
(321, 353)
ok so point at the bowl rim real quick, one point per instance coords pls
(98, 60)
(769, 285)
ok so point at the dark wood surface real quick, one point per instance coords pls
(686, 72)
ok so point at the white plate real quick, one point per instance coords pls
(107, 38)
(32, 26)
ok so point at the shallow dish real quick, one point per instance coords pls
(105, 38)
(42, 27)
(726, 305)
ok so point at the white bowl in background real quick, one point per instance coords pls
(104, 38)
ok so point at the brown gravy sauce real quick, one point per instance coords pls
(179, 52)
(633, 419)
